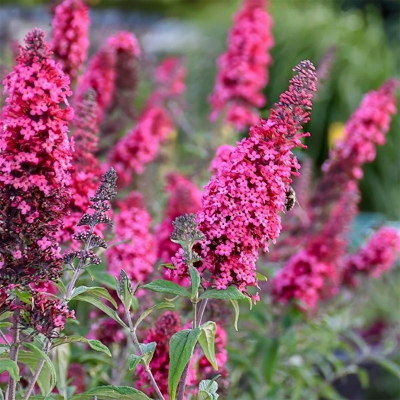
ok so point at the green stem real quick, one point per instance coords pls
(132, 332)
(12, 383)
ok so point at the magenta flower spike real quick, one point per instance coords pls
(134, 250)
(35, 164)
(70, 37)
(243, 70)
(375, 257)
(242, 201)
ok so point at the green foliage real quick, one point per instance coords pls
(11, 367)
(112, 393)
(180, 351)
(207, 341)
(164, 286)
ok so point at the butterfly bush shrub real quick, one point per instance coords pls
(135, 297)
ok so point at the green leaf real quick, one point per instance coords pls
(99, 304)
(5, 315)
(181, 348)
(112, 393)
(89, 271)
(261, 277)
(164, 286)
(94, 344)
(207, 342)
(11, 367)
(98, 292)
(38, 352)
(147, 351)
(208, 390)
(61, 364)
(133, 361)
(61, 287)
(159, 306)
(166, 265)
(270, 358)
(230, 293)
(5, 324)
(124, 290)
(235, 305)
(389, 365)
(105, 279)
(195, 279)
(31, 360)
(24, 296)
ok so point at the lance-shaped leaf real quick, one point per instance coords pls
(40, 354)
(112, 393)
(164, 304)
(181, 348)
(133, 361)
(195, 279)
(124, 290)
(235, 305)
(207, 342)
(164, 286)
(230, 293)
(94, 344)
(11, 367)
(97, 292)
(99, 304)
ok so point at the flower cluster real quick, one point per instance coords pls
(99, 76)
(44, 315)
(35, 156)
(140, 146)
(364, 131)
(185, 198)
(313, 273)
(375, 257)
(166, 326)
(127, 52)
(86, 168)
(134, 249)
(70, 38)
(242, 201)
(243, 69)
(222, 155)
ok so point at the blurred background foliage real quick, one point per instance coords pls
(301, 354)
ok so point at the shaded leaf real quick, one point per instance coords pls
(164, 286)
(181, 348)
(11, 367)
(207, 342)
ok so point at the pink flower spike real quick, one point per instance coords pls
(242, 201)
(70, 38)
(243, 69)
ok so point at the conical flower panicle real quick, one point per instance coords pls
(243, 68)
(242, 201)
(70, 37)
(364, 131)
(374, 257)
(35, 164)
(134, 248)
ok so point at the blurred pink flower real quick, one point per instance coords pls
(243, 69)
(185, 198)
(375, 257)
(70, 37)
(140, 146)
(133, 248)
(364, 131)
(313, 273)
(166, 326)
